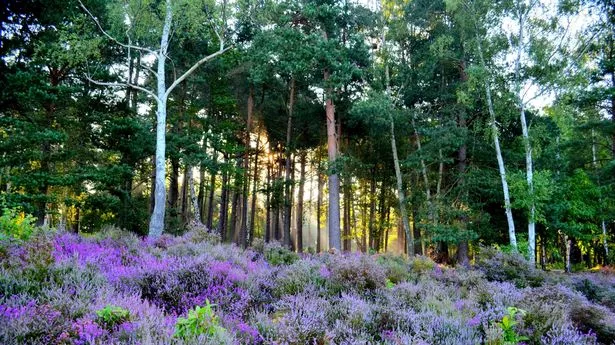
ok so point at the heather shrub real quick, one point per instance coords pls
(512, 267)
(567, 335)
(396, 267)
(301, 319)
(355, 272)
(596, 287)
(294, 278)
(276, 254)
(421, 265)
(593, 318)
(24, 322)
(200, 234)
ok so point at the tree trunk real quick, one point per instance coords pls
(496, 141)
(321, 183)
(268, 228)
(185, 206)
(174, 185)
(196, 212)
(346, 240)
(156, 224)
(254, 189)
(462, 156)
(335, 239)
(233, 227)
(567, 243)
(224, 203)
(605, 243)
(400, 192)
(212, 191)
(201, 196)
(288, 167)
(372, 208)
(302, 160)
(382, 225)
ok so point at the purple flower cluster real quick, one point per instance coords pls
(52, 297)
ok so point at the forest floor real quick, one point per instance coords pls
(115, 288)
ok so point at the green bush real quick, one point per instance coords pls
(16, 225)
(111, 316)
(396, 267)
(200, 321)
(276, 255)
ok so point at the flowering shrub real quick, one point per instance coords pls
(356, 272)
(512, 267)
(114, 288)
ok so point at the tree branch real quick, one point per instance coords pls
(193, 68)
(129, 46)
(137, 87)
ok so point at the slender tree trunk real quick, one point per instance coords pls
(185, 207)
(233, 227)
(605, 244)
(224, 203)
(254, 189)
(288, 167)
(302, 161)
(382, 226)
(174, 185)
(346, 241)
(243, 229)
(268, 229)
(568, 244)
(335, 239)
(152, 195)
(156, 224)
(496, 140)
(201, 196)
(462, 244)
(212, 191)
(372, 208)
(430, 207)
(400, 192)
(196, 212)
(531, 224)
(321, 183)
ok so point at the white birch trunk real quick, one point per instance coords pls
(496, 141)
(529, 169)
(605, 243)
(156, 223)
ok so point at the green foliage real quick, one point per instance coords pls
(508, 326)
(396, 266)
(16, 225)
(200, 321)
(111, 316)
(276, 255)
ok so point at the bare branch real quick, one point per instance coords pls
(129, 46)
(194, 67)
(137, 87)
(149, 69)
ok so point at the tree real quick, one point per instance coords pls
(161, 92)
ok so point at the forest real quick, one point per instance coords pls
(307, 172)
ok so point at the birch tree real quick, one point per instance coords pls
(472, 14)
(159, 50)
